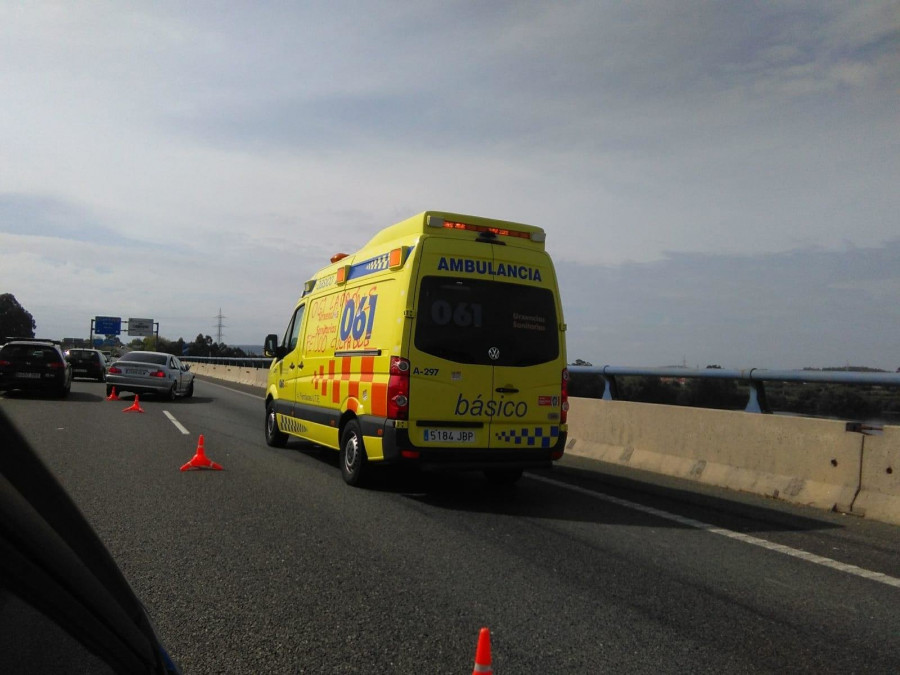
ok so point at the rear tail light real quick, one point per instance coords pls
(157, 373)
(56, 365)
(398, 389)
(5, 363)
(114, 371)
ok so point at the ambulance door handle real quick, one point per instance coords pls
(506, 390)
(300, 365)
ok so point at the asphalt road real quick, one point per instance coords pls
(275, 566)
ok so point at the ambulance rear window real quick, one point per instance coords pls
(467, 321)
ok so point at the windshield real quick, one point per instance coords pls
(82, 354)
(29, 352)
(463, 319)
(144, 357)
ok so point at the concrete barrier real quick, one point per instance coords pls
(879, 494)
(254, 377)
(801, 460)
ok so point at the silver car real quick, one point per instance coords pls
(150, 372)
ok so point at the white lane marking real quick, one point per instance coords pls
(177, 424)
(745, 538)
(236, 391)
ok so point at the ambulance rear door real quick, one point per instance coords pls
(486, 352)
(526, 349)
(450, 379)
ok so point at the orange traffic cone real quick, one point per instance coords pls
(135, 407)
(112, 396)
(483, 654)
(200, 460)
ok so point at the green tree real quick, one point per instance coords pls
(201, 346)
(655, 390)
(709, 393)
(15, 320)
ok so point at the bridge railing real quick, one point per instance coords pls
(754, 378)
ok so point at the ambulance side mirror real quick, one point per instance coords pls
(272, 348)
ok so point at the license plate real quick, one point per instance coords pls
(29, 376)
(449, 436)
(132, 371)
(81, 370)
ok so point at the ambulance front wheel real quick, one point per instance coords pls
(275, 437)
(353, 455)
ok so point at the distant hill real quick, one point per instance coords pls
(850, 369)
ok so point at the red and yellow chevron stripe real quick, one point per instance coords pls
(353, 378)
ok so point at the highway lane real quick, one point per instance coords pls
(273, 565)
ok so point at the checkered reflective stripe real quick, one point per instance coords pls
(541, 437)
(291, 425)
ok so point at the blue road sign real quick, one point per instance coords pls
(108, 325)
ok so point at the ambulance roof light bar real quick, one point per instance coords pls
(538, 236)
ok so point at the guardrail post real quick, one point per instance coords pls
(757, 402)
(610, 389)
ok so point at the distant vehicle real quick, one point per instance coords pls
(150, 372)
(89, 363)
(35, 365)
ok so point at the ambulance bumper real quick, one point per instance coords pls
(397, 447)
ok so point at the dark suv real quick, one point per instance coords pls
(90, 363)
(34, 365)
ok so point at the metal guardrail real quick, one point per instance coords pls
(755, 378)
(240, 362)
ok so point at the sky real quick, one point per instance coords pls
(718, 181)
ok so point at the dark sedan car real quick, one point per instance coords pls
(150, 373)
(34, 365)
(89, 363)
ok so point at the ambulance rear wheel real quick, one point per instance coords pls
(275, 437)
(353, 460)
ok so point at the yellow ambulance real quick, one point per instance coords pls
(440, 343)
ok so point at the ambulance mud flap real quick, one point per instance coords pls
(282, 407)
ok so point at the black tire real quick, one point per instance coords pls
(172, 395)
(353, 460)
(190, 390)
(275, 437)
(109, 389)
(503, 476)
(65, 389)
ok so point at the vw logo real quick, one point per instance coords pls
(494, 353)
